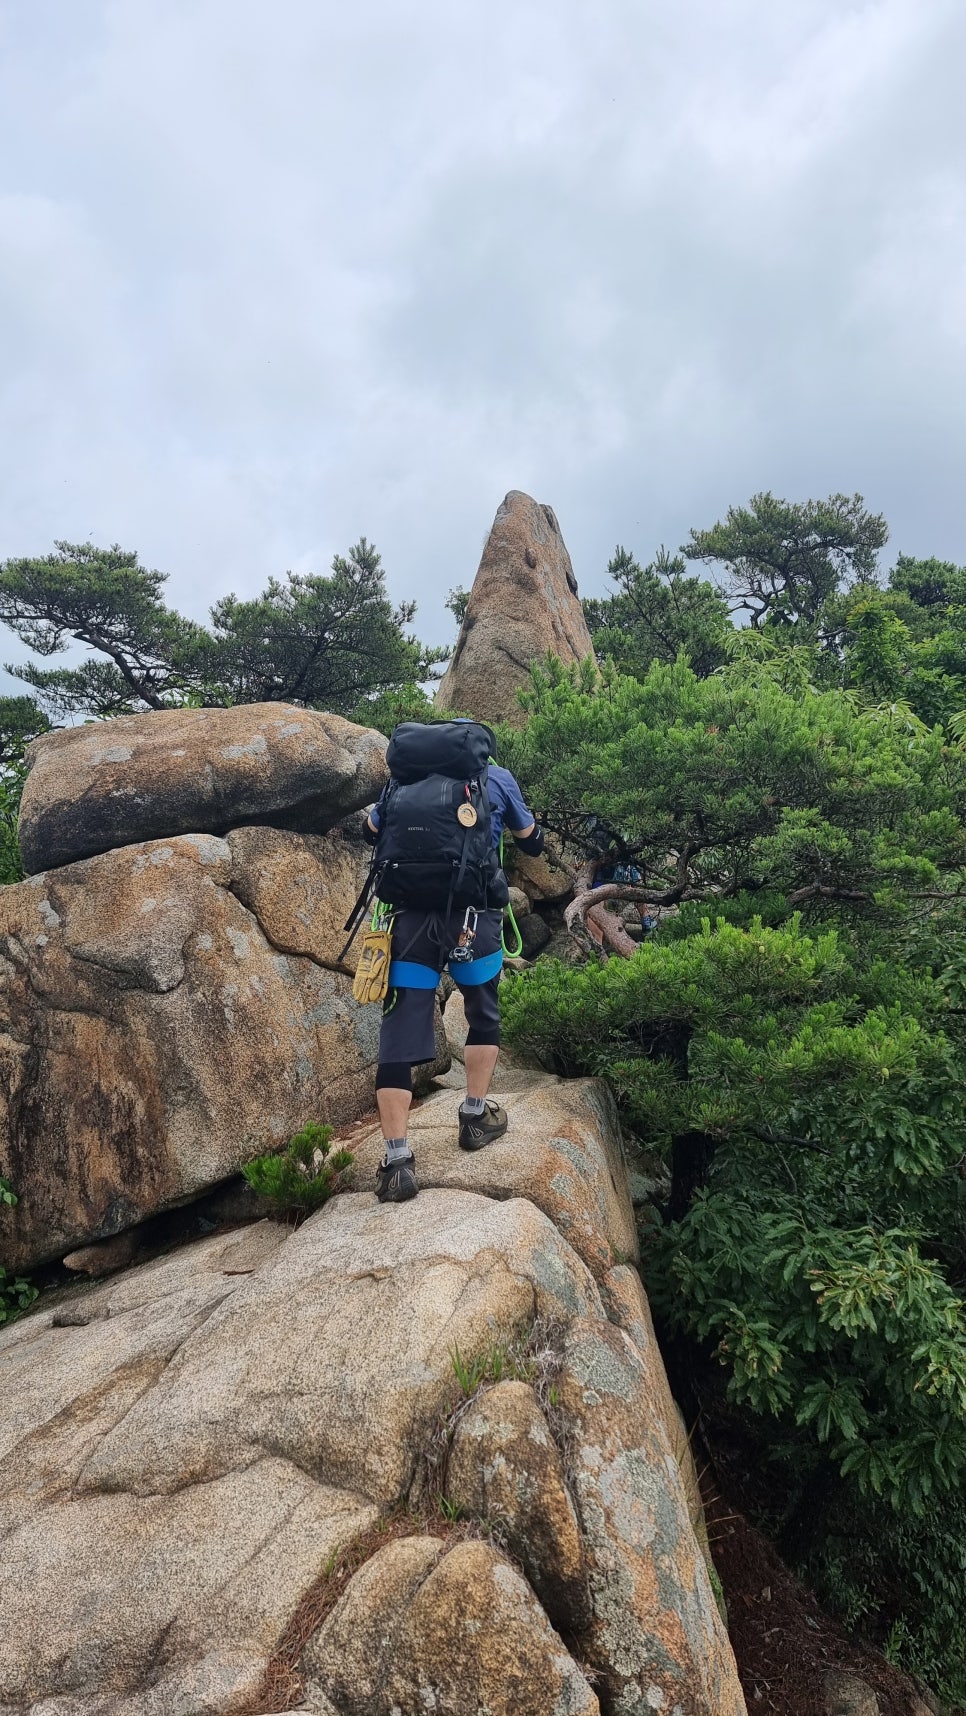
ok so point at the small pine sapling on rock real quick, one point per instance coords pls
(303, 1176)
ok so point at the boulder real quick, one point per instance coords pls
(505, 1468)
(301, 888)
(153, 1037)
(535, 934)
(350, 1656)
(353, 1322)
(562, 1150)
(846, 1695)
(188, 1449)
(523, 605)
(187, 771)
(164, 1599)
(177, 1471)
(460, 1632)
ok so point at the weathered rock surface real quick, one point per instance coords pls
(423, 1630)
(184, 1448)
(656, 1635)
(505, 1468)
(227, 1417)
(523, 604)
(189, 771)
(152, 1039)
(134, 1599)
(105, 1257)
(562, 1150)
(351, 1655)
(626, 1304)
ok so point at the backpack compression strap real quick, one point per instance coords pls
(358, 911)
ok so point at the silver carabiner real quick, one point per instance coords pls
(463, 950)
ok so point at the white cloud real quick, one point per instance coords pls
(274, 278)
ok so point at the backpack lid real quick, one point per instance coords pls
(457, 749)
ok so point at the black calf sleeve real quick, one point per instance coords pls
(394, 1075)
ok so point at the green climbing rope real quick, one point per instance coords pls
(511, 952)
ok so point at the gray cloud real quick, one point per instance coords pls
(273, 278)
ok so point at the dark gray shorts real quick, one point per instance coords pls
(421, 945)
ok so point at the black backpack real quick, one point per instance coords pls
(435, 850)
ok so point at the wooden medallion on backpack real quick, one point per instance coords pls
(467, 815)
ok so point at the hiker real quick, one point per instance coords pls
(610, 862)
(437, 832)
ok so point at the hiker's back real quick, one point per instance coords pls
(435, 847)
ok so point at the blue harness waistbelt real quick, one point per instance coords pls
(467, 974)
(408, 974)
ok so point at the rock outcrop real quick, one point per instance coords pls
(169, 1011)
(192, 771)
(185, 1456)
(549, 877)
(523, 604)
(504, 1466)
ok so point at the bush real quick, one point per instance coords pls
(16, 1295)
(303, 1176)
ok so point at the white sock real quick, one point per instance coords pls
(396, 1148)
(473, 1104)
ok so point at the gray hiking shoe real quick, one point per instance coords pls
(476, 1130)
(396, 1182)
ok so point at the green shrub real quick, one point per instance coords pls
(303, 1176)
(16, 1295)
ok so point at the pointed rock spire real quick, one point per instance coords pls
(523, 604)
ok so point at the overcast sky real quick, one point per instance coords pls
(275, 274)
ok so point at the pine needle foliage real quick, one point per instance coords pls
(303, 1176)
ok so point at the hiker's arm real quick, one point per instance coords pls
(371, 826)
(527, 835)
